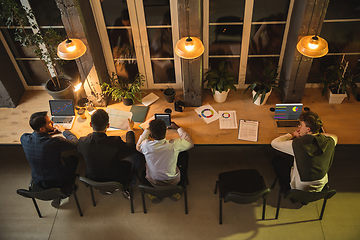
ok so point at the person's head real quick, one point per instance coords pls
(125, 19)
(99, 120)
(310, 122)
(157, 129)
(40, 122)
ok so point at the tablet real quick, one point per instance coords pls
(165, 117)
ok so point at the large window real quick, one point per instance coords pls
(341, 29)
(32, 71)
(248, 34)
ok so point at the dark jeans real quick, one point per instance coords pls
(182, 163)
(135, 159)
(282, 169)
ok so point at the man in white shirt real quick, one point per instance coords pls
(313, 155)
(164, 157)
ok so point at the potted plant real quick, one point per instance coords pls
(263, 84)
(124, 89)
(169, 94)
(44, 46)
(338, 82)
(220, 81)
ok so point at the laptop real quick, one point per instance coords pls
(287, 117)
(62, 112)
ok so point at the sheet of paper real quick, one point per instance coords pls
(119, 119)
(228, 120)
(145, 124)
(207, 113)
(149, 99)
(248, 130)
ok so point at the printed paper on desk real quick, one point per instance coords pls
(227, 120)
(119, 119)
(149, 99)
(248, 130)
(145, 124)
(207, 113)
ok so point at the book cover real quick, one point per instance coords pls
(139, 113)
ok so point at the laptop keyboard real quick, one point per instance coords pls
(294, 123)
(62, 119)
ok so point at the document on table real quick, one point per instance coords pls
(248, 130)
(149, 99)
(119, 119)
(207, 113)
(228, 120)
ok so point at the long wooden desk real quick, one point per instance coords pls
(340, 119)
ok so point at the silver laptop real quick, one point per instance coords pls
(287, 117)
(62, 112)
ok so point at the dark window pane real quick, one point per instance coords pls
(225, 39)
(160, 42)
(121, 43)
(256, 66)
(320, 65)
(157, 12)
(68, 68)
(34, 72)
(163, 71)
(220, 10)
(342, 37)
(345, 9)
(234, 64)
(115, 13)
(46, 13)
(274, 10)
(17, 50)
(127, 69)
(266, 39)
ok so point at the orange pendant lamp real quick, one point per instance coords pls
(71, 49)
(189, 47)
(312, 46)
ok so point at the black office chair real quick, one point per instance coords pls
(305, 197)
(37, 192)
(106, 187)
(146, 187)
(242, 186)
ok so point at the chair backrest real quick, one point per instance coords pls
(46, 194)
(161, 192)
(246, 198)
(302, 196)
(102, 186)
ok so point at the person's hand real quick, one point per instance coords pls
(173, 126)
(131, 124)
(296, 134)
(54, 131)
(59, 128)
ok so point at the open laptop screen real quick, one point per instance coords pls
(288, 111)
(62, 107)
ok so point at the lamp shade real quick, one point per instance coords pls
(71, 49)
(189, 48)
(313, 46)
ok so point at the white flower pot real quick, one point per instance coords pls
(257, 102)
(220, 97)
(335, 98)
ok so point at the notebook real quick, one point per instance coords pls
(62, 113)
(287, 117)
(139, 113)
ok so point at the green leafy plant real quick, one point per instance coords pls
(44, 46)
(123, 87)
(339, 80)
(169, 91)
(264, 82)
(220, 79)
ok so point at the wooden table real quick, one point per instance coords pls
(340, 119)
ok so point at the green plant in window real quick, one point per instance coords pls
(44, 46)
(123, 87)
(220, 79)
